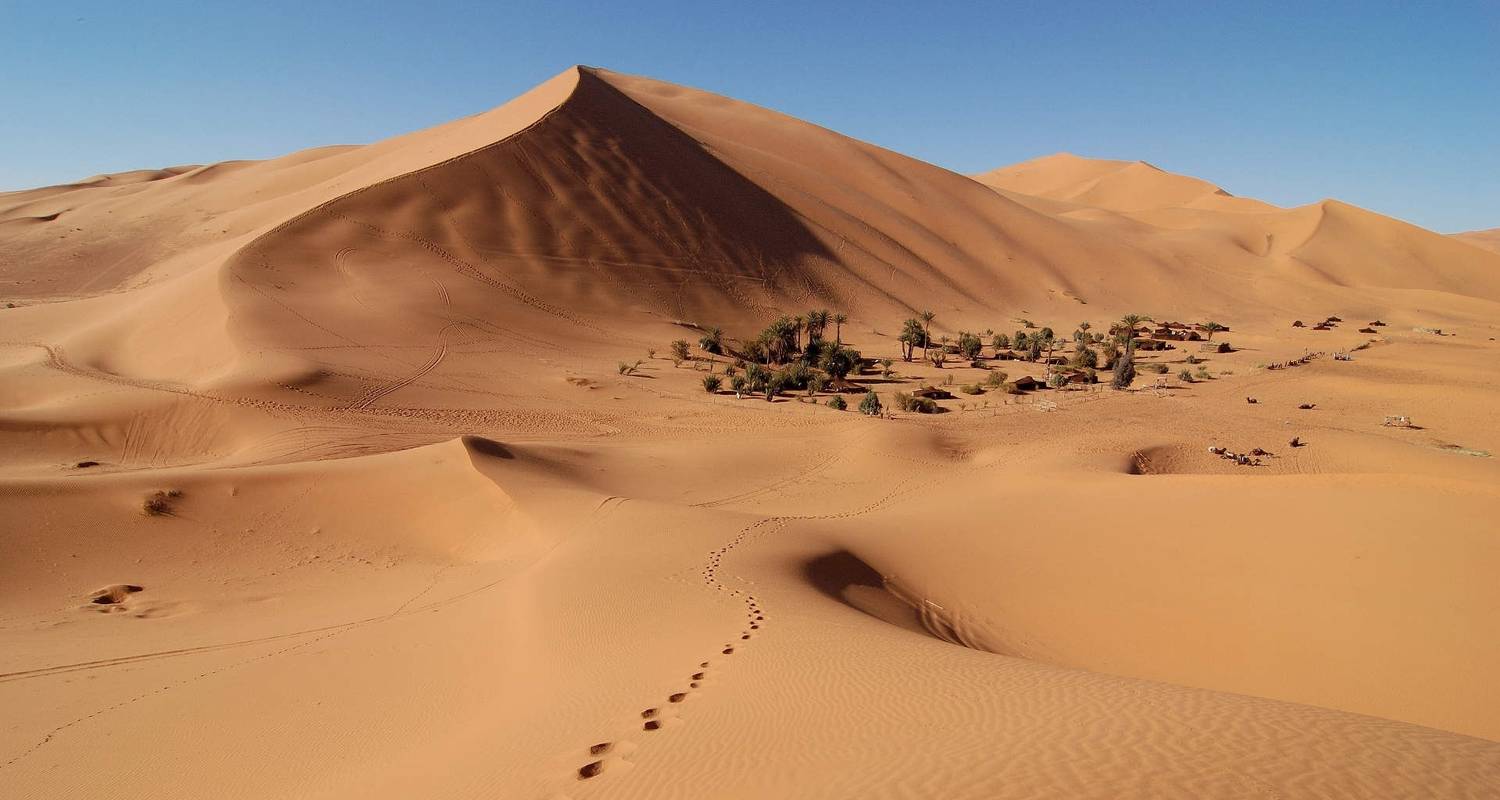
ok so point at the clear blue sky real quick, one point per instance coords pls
(1390, 106)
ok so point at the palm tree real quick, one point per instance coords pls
(927, 318)
(798, 323)
(1210, 328)
(1127, 324)
(838, 327)
(817, 321)
(1083, 331)
(911, 336)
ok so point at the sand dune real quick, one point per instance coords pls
(1488, 239)
(323, 477)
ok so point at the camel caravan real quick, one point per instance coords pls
(1306, 358)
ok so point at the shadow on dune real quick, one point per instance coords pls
(488, 447)
(842, 576)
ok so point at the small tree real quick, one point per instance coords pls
(1111, 353)
(927, 318)
(969, 345)
(838, 327)
(680, 351)
(938, 354)
(1084, 356)
(837, 403)
(712, 383)
(1211, 328)
(1124, 373)
(912, 336)
(1000, 342)
(885, 367)
(870, 405)
(995, 380)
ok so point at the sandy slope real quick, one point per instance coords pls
(1488, 239)
(429, 542)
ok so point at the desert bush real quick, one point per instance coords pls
(885, 367)
(738, 383)
(1158, 368)
(756, 377)
(1185, 376)
(712, 341)
(995, 379)
(755, 350)
(627, 368)
(1192, 359)
(1057, 380)
(1084, 356)
(971, 388)
(712, 383)
(969, 345)
(837, 403)
(795, 375)
(1000, 341)
(1010, 387)
(920, 405)
(159, 503)
(680, 350)
(1203, 373)
(870, 405)
(839, 361)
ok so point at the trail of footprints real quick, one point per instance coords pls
(657, 718)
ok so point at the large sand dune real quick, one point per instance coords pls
(422, 538)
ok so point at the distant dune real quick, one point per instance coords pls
(1488, 239)
(374, 471)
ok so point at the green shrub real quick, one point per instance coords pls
(627, 368)
(738, 383)
(837, 403)
(1185, 376)
(1203, 373)
(870, 405)
(995, 379)
(712, 383)
(680, 351)
(971, 388)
